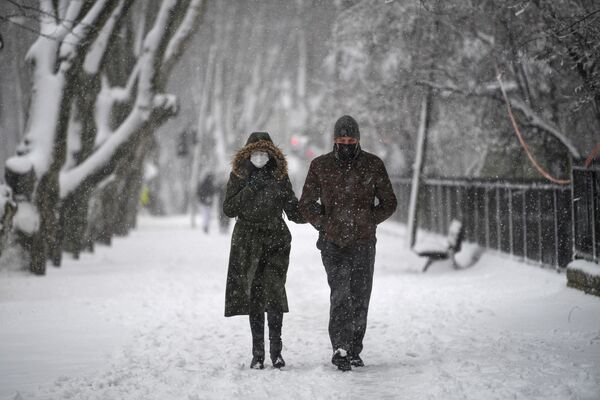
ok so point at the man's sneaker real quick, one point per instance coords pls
(356, 361)
(257, 363)
(340, 359)
(278, 361)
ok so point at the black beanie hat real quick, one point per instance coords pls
(346, 126)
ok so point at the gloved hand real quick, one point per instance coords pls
(315, 208)
(256, 182)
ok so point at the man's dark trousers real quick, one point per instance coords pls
(350, 277)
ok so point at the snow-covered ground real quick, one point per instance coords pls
(144, 320)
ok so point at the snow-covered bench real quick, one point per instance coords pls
(584, 275)
(454, 243)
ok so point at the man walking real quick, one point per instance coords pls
(346, 194)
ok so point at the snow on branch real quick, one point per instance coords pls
(486, 38)
(48, 18)
(157, 34)
(42, 53)
(81, 32)
(536, 120)
(72, 179)
(61, 6)
(167, 103)
(149, 57)
(107, 98)
(488, 89)
(101, 158)
(44, 112)
(183, 33)
(95, 55)
(49, 84)
(110, 145)
(66, 24)
(103, 111)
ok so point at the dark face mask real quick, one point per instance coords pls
(346, 152)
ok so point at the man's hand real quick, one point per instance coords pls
(315, 208)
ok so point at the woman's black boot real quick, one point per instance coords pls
(275, 344)
(257, 326)
(257, 362)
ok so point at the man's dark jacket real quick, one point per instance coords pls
(348, 212)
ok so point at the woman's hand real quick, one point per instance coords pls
(256, 182)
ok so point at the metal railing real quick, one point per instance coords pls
(529, 220)
(586, 213)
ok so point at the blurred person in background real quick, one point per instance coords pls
(206, 194)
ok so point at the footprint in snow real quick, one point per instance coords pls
(411, 354)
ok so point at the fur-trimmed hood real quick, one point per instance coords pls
(259, 141)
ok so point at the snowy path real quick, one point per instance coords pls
(143, 320)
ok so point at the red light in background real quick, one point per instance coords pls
(295, 141)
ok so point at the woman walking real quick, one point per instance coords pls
(258, 192)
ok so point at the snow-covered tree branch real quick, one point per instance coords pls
(55, 58)
(148, 103)
(492, 91)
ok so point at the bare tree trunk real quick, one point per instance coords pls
(74, 208)
(47, 193)
(131, 178)
(103, 210)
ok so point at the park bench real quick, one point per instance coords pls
(453, 246)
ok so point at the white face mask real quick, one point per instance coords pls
(259, 159)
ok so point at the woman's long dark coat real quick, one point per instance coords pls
(260, 245)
